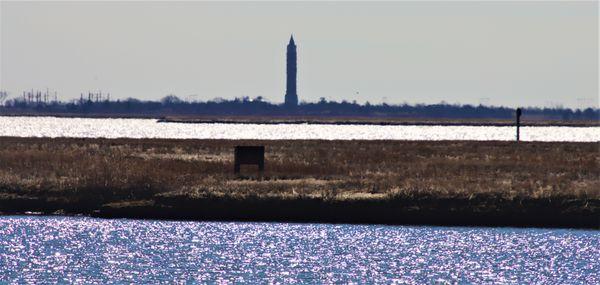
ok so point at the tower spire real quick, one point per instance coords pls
(291, 97)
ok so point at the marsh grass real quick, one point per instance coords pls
(106, 171)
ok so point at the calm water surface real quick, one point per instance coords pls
(88, 250)
(149, 128)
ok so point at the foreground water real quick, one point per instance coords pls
(88, 250)
(149, 128)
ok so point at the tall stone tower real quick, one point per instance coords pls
(291, 97)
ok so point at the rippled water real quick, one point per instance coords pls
(148, 128)
(88, 250)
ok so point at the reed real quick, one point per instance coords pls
(100, 172)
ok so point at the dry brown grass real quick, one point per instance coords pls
(125, 169)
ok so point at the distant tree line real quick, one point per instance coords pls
(172, 105)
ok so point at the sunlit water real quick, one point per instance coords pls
(149, 128)
(88, 250)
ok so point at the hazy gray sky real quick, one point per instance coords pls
(514, 53)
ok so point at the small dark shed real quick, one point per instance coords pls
(249, 155)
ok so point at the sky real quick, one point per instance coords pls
(509, 53)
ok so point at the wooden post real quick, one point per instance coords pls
(518, 123)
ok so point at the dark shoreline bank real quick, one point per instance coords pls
(479, 211)
(384, 123)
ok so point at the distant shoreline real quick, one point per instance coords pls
(412, 122)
